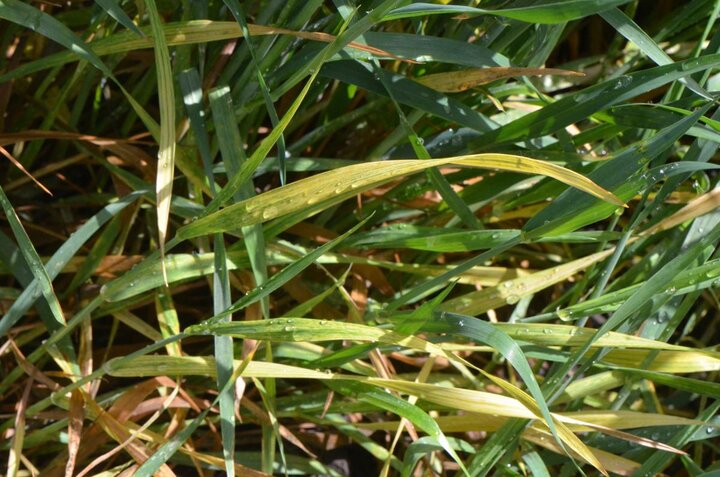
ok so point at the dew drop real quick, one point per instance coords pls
(622, 82)
(565, 315)
(512, 299)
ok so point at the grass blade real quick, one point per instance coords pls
(115, 11)
(166, 154)
(351, 180)
(557, 11)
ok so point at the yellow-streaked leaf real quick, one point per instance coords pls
(466, 399)
(166, 153)
(563, 432)
(485, 276)
(479, 402)
(613, 463)
(534, 434)
(622, 419)
(310, 330)
(568, 335)
(511, 291)
(666, 361)
(457, 81)
(153, 365)
(320, 191)
(594, 386)
(667, 358)
(695, 208)
(614, 419)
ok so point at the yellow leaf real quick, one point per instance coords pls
(313, 194)
(166, 153)
(510, 291)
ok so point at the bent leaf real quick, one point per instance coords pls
(318, 192)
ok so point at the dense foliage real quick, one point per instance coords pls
(298, 237)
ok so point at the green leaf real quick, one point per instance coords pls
(553, 11)
(578, 106)
(115, 11)
(41, 279)
(630, 30)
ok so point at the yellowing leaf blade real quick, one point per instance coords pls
(166, 154)
(323, 190)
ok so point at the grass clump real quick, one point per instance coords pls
(386, 238)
